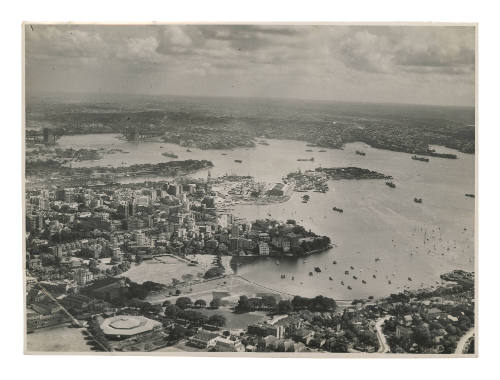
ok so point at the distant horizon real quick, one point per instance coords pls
(194, 96)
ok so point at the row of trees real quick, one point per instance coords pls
(318, 303)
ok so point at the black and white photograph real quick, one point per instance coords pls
(250, 189)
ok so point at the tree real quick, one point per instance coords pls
(214, 272)
(178, 332)
(217, 320)
(183, 302)
(269, 301)
(422, 336)
(243, 305)
(284, 307)
(200, 303)
(339, 345)
(171, 311)
(215, 303)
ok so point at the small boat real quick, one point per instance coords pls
(470, 195)
(354, 277)
(305, 159)
(349, 287)
(417, 200)
(390, 184)
(342, 282)
(377, 259)
(224, 154)
(360, 153)
(331, 279)
(374, 276)
(409, 279)
(346, 272)
(423, 159)
(187, 150)
(322, 150)
(170, 155)
(363, 281)
(293, 278)
(317, 269)
(352, 267)
(334, 262)
(389, 282)
(238, 161)
(337, 209)
(308, 150)
(310, 273)
(277, 262)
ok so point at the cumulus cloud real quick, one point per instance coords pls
(321, 60)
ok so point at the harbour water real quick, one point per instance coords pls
(390, 241)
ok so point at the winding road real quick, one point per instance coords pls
(463, 341)
(383, 346)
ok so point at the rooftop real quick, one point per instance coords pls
(128, 325)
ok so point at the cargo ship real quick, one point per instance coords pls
(390, 184)
(423, 159)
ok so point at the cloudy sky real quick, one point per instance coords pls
(422, 65)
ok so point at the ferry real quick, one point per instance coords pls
(423, 159)
(417, 200)
(337, 209)
(390, 184)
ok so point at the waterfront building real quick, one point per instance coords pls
(263, 249)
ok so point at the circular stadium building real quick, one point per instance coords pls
(127, 326)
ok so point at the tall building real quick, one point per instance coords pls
(263, 249)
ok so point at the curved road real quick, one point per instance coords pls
(463, 340)
(383, 346)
